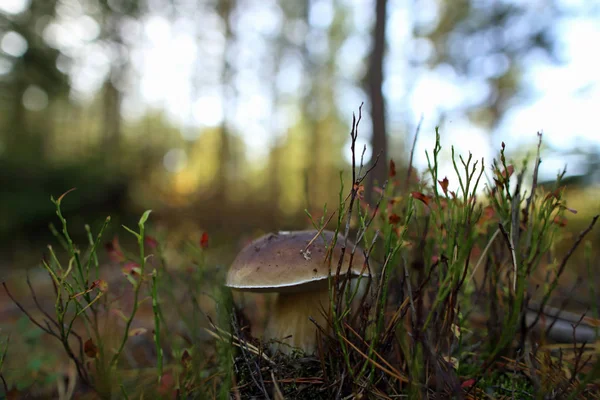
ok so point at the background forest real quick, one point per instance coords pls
(232, 117)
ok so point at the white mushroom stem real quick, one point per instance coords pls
(290, 322)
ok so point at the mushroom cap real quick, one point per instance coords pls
(278, 262)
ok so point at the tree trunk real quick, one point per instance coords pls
(313, 175)
(375, 75)
(112, 120)
(224, 172)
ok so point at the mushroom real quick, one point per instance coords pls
(285, 264)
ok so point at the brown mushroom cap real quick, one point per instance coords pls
(277, 262)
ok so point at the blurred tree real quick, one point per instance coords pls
(309, 47)
(225, 170)
(585, 157)
(478, 41)
(279, 43)
(490, 41)
(113, 15)
(378, 119)
(324, 126)
(310, 110)
(32, 83)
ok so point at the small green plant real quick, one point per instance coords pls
(82, 306)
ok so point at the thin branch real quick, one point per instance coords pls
(64, 340)
(511, 248)
(37, 303)
(483, 253)
(375, 363)
(362, 178)
(562, 307)
(412, 151)
(24, 311)
(260, 383)
(562, 266)
(4, 384)
(532, 194)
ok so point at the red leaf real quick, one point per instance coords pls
(360, 190)
(131, 267)
(557, 193)
(468, 383)
(114, 250)
(90, 349)
(420, 196)
(166, 384)
(14, 394)
(186, 359)
(393, 219)
(204, 240)
(488, 214)
(101, 284)
(150, 241)
(392, 169)
(378, 190)
(444, 184)
(508, 172)
(560, 221)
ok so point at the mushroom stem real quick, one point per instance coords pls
(290, 323)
